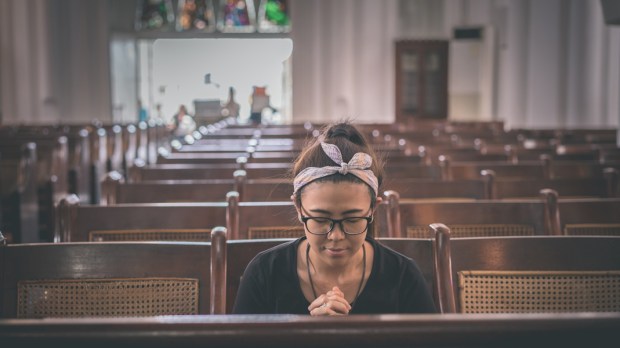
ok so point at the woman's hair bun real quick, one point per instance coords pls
(347, 131)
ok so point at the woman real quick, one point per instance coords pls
(337, 268)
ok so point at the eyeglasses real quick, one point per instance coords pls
(323, 226)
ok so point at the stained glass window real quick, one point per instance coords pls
(195, 15)
(273, 16)
(154, 15)
(237, 16)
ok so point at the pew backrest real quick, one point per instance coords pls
(493, 274)
(106, 279)
(590, 216)
(410, 218)
(188, 220)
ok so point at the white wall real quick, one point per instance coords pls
(54, 61)
(558, 65)
(557, 62)
(343, 60)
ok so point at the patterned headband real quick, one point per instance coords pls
(358, 166)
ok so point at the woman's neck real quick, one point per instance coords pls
(340, 271)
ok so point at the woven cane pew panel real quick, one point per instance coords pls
(275, 232)
(185, 235)
(70, 298)
(539, 292)
(475, 230)
(592, 229)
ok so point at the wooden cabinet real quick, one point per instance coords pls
(421, 79)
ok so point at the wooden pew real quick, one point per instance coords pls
(281, 189)
(19, 195)
(213, 190)
(527, 274)
(261, 220)
(572, 136)
(471, 170)
(589, 216)
(545, 167)
(127, 222)
(399, 170)
(113, 279)
(466, 155)
(115, 158)
(440, 190)
(201, 158)
(207, 171)
(242, 145)
(264, 170)
(529, 217)
(80, 179)
(275, 331)
(557, 153)
(603, 186)
(64, 152)
(115, 191)
(180, 221)
(409, 218)
(242, 132)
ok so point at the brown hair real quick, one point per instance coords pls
(350, 141)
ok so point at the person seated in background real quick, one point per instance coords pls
(337, 268)
(231, 107)
(259, 101)
(143, 114)
(182, 123)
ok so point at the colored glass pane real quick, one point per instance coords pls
(195, 15)
(154, 15)
(274, 16)
(237, 16)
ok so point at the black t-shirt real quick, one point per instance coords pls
(270, 284)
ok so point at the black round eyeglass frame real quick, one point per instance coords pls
(333, 222)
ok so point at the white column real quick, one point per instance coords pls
(613, 83)
(545, 65)
(576, 55)
(25, 71)
(596, 68)
(512, 82)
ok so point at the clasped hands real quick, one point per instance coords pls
(330, 303)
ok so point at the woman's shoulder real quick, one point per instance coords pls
(277, 254)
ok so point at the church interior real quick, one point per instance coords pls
(154, 152)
